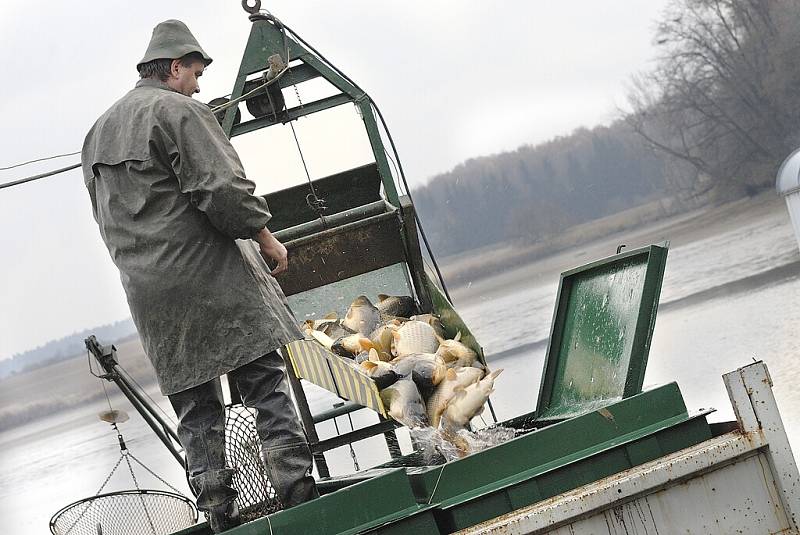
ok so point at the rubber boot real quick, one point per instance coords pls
(215, 497)
(289, 471)
(223, 517)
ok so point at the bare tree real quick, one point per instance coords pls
(718, 97)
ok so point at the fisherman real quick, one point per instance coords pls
(171, 199)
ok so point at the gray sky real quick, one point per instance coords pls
(454, 79)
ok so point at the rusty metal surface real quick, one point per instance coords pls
(745, 481)
(344, 252)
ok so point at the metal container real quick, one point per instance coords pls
(788, 186)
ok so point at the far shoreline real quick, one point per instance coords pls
(468, 278)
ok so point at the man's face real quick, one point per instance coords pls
(184, 80)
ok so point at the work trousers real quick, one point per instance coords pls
(284, 448)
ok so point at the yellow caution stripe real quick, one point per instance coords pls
(312, 362)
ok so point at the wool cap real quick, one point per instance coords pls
(172, 40)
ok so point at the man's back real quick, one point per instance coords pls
(136, 195)
(170, 197)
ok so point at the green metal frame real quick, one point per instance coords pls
(559, 457)
(601, 331)
(266, 39)
(382, 505)
(377, 228)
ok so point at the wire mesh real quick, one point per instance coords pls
(257, 497)
(127, 512)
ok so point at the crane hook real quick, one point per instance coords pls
(254, 9)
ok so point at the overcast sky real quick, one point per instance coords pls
(454, 79)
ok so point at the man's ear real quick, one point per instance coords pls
(174, 67)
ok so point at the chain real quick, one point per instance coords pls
(314, 202)
(136, 484)
(352, 450)
(153, 473)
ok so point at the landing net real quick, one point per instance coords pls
(127, 512)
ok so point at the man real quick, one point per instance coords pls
(170, 197)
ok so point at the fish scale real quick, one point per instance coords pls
(414, 337)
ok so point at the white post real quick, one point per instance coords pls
(750, 391)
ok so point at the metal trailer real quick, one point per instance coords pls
(683, 476)
(741, 481)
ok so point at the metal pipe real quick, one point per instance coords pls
(148, 418)
(146, 404)
(106, 357)
(339, 410)
(353, 214)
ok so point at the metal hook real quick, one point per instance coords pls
(254, 9)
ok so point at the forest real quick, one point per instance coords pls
(712, 121)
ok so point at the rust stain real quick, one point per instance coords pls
(605, 413)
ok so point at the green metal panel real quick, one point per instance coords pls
(382, 505)
(535, 453)
(343, 191)
(601, 331)
(450, 319)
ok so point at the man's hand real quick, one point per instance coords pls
(273, 250)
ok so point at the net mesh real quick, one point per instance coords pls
(257, 497)
(128, 512)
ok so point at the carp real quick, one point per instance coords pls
(467, 402)
(346, 346)
(405, 403)
(414, 337)
(381, 372)
(362, 316)
(396, 305)
(455, 354)
(426, 370)
(382, 337)
(433, 321)
(454, 378)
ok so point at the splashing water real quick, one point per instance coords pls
(438, 445)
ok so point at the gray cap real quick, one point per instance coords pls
(172, 40)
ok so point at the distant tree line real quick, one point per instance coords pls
(712, 121)
(64, 348)
(536, 191)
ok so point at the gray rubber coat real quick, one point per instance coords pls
(171, 200)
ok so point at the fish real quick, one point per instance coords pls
(381, 372)
(433, 321)
(414, 337)
(454, 377)
(381, 338)
(334, 328)
(468, 402)
(425, 369)
(351, 345)
(326, 341)
(396, 305)
(405, 403)
(361, 357)
(362, 316)
(456, 354)
(346, 346)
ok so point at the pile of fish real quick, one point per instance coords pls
(424, 379)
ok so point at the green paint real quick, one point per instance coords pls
(600, 338)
